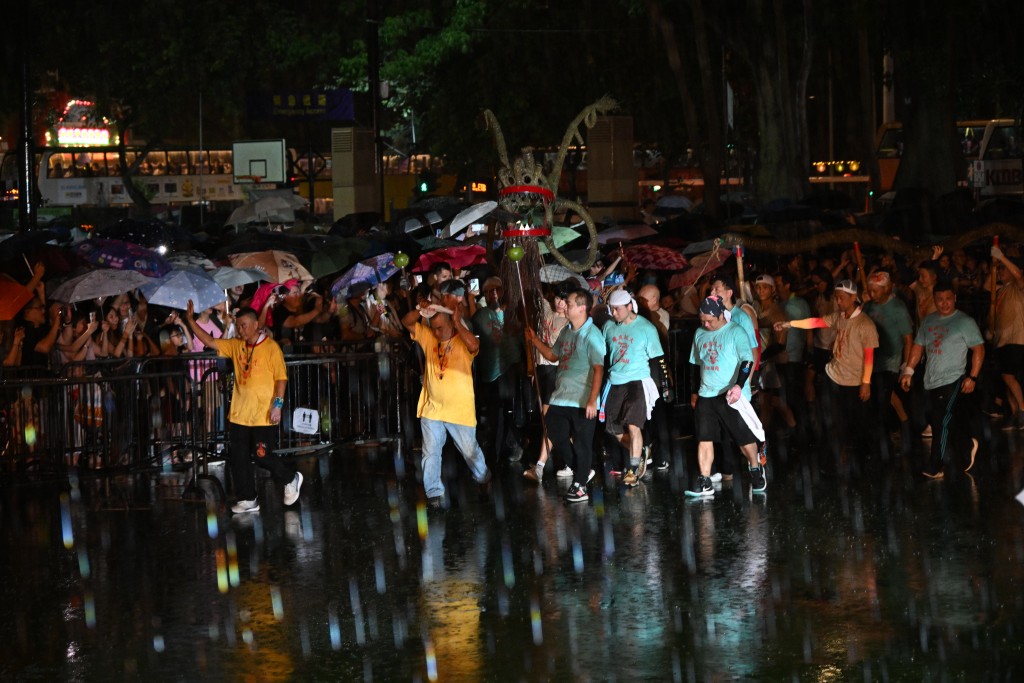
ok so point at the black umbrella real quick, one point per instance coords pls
(146, 233)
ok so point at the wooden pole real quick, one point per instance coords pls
(740, 276)
(860, 268)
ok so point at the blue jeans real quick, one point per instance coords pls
(435, 434)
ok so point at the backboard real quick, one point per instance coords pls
(259, 161)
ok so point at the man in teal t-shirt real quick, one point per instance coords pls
(632, 343)
(895, 331)
(722, 353)
(572, 410)
(946, 336)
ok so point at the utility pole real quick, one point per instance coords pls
(373, 59)
(27, 148)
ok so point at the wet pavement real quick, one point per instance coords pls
(873, 577)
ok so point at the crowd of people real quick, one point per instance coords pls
(797, 350)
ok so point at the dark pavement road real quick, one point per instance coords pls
(879, 577)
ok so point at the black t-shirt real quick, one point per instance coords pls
(29, 355)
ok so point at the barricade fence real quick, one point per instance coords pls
(166, 411)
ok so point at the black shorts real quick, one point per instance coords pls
(1011, 359)
(625, 405)
(715, 419)
(546, 382)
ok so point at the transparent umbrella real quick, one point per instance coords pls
(178, 287)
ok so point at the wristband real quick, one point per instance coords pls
(278, 402)
(972, 378)
(908, 371)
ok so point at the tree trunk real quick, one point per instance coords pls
(924, 76)
(713, 160)
(142, 208)
(780, 90)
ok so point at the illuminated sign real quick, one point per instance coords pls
(81, 125)
(478, 187)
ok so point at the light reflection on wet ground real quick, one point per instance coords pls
(885, 577)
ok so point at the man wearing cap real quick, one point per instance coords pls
(946, 336)
(632, 344)
(353, 316)
(849, 370)
(452, 292)
(895, 336)
(499, 371)
(722, 351)
(447, 404)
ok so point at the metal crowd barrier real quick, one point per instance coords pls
(159, 412)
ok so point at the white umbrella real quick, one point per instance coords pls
(267, 209)
(228, 277)
(467, 217)
(178, 287)
(625, 233)
(99, 283)
(556, 272)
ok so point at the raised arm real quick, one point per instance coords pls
(201, 334)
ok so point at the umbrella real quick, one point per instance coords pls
(149, 233)
(337, 256)
(355, 223)
(278, 265)
(699, 265)
(121, 255)
(373, 270)
(458, 257)
(418, 223)
(273, 208)
(556, 272)
(18, 244)
(227, 276)
(655, 257)
(625, 233)
(99, 283)
(13, 297)
(467, 217)
(674, 201)
(175, 289)
(561, 235)
(190, 259)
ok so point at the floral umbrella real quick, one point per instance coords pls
(278, 265)
(373, 270)
(655, 257)
(121, 255)
(699, 265)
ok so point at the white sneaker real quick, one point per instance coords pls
(565, 472)
(291, 490)
(716, 477)
(243, 506)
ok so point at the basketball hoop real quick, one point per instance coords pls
(254, 179)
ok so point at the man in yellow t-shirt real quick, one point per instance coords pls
(447, 402)
(256, 405)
